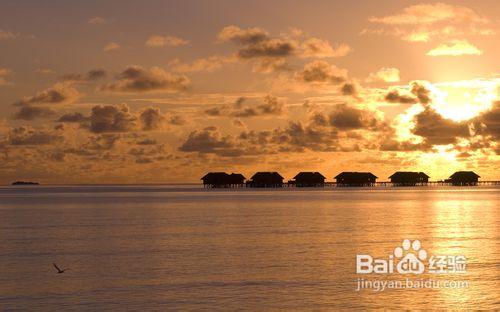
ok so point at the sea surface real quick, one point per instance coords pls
(188, 248)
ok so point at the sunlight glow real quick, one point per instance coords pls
(463, 100)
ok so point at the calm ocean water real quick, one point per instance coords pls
(185, 248)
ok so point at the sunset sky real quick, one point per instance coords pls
(165, 91)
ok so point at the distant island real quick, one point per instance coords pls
(24, 183)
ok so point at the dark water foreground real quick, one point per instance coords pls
(184, 248)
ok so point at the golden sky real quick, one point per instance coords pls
(164, 91)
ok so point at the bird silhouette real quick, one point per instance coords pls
(59, 270)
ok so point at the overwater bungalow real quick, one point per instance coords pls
(266, 179)
(355, 179)
(309, 179)
(463, 178)
(409, 178)
(222, 179)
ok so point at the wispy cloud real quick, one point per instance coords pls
(97, 20)
(4, 72)
(157, 41)
(429, 14)
(386, 74)
(112, 46)
(423, 22)
(455, 48)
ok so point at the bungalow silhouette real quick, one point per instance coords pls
(309, 179)
(266, 179)
(409, 178)
(222, 179)
(355, 179)
(463, 178)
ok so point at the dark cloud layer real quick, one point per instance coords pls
(112, 118)
(28, 112)
(256, 43)
(119, 118)
(395, 97)
(321, 133)
(151, 118)
(207, 140)
(488, 123)
(138, 79)
(421, 94)
(322, 72)
(437, 130)
(270, 105)
(60, 93)
(91, 75)
(73, 117)
(346, 117)
(28, 136)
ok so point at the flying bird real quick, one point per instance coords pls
(59, 271)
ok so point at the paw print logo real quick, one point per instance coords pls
(411, 256)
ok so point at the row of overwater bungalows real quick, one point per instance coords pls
(316, 179)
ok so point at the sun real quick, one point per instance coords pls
(464, 100)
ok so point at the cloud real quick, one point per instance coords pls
(322, 72)
(91, 75)
(423, 22)
(220, 110)
(119, 118)
(271, 53)
(350, 89)
(323, 132)
(28, 136)
(4, 72)
(270, 105)
(315, 47)
(29, 112)
(455, 48)
(60, 93)
(345, 117)
(5, 35)
(97, 20)
(73, 117)
(137, 79)
(242, 36)
(37, 106)
(111, 46)
(209, 140)
(207, 64)
(489, 122)
(419, 90)
(385, 74)
(388, 144)
(151, 119)
(112, 118)
(269, 48)
(177, 120)
(437, 130)
(296, 137)
(45, 71)
(422, 91)
(395, 97)
(156, 41)
(430, 14)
